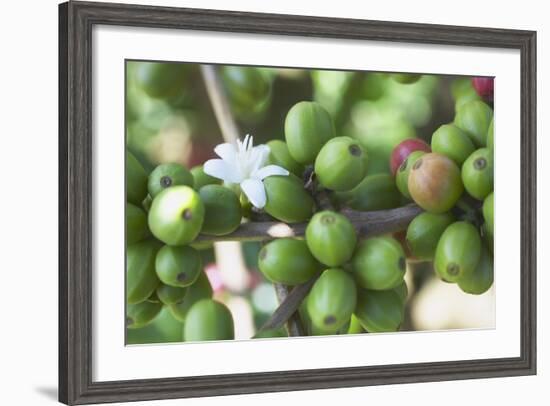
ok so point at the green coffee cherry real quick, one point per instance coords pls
(201, 289)
(140, 314)
(222, 210)
(451, 141)
(287, 200)
(287, 261)
(467, 98)
(402, 174)
(481, 279)
(178, 266)
(435, 183)
(463, 92)
(341, 164)
(141, 279)
(308, 126)
(331, 238)
(379, 311)
(247, 88)
(406, 78)
(136, 180)
(279, 155)
(201, 179)
(475, 118)
(379, 263)
(136, 224)
(477, 173)
(490, 136)
(161, 80)
(355, 326)
(375, 192)
(208, 320)
(458, 251)
(169, 295)
(424, 231)
(402, 291)
(488, 207)
(176, 215)
(332, 300)
(162, 329)
(166, 175)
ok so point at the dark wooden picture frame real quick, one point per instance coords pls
(76, 20)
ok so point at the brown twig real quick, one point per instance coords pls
(367, 224)
(287, 312)
(222, 110)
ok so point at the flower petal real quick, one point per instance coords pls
(239, 146)
(226, 151)
(269, 170)
(260, 154)
(255, 191)
(263, 149)
(220, 169)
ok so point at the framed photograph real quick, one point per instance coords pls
(260, 202)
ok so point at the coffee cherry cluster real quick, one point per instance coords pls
(165, 212)
(359, 283)
(169, 206)
(453, 182)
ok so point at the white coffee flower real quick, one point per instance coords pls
(243, 164)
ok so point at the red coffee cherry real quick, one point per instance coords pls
(484, 87)
(403, 149)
